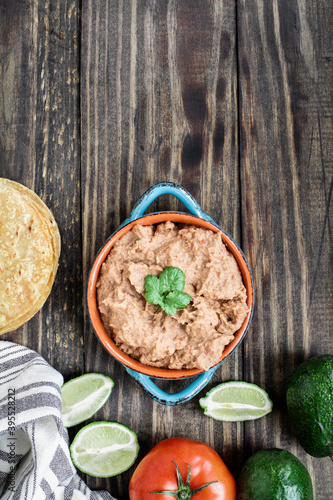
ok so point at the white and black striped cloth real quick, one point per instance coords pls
(35, 462)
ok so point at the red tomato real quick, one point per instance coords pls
(157, 472)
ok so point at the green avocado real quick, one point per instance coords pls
(274, 474)
(310, 405)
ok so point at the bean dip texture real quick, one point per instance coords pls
(196, 336)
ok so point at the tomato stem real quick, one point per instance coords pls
(184, 491)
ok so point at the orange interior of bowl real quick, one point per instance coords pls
(97, 324)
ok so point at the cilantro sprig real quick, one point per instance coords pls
(166, 291)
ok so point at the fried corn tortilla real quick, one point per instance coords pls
(29, 254)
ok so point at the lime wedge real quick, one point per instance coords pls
(83, 396)
(104, 449)
(236, 402)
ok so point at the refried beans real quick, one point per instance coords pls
(196, 336)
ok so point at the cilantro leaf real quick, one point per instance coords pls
(171, 278)
(166, 291)
(178, 299)
(175, 300)
(169, 309)
(152, 288)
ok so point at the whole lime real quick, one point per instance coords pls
(274, 474)
(310, 405)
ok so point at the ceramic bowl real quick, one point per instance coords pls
(143, 373)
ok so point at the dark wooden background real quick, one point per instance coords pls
(232, 99)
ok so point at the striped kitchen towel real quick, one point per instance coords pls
(35, 462)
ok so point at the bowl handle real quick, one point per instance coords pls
(167, 188)
(172, 399)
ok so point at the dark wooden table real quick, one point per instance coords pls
(99, 100)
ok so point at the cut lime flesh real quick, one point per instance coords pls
(236, 402)
(104, 449)
(83, 396)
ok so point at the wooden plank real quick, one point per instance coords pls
(159, 92)
(158, 101)
(285, 73)
(39, 147)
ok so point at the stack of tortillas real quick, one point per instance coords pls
(29, 254)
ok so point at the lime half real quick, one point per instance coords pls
(104, 449)
(83, 396)
(236, 402)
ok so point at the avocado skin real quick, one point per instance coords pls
(274, 474)
(310, 405)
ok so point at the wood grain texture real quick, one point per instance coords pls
(231, 99)
(39, 147)
(158, 101)
(286, 170)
